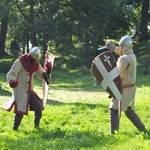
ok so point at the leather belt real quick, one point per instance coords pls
(128, 86)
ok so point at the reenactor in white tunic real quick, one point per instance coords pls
(20, 78)
(126, 64)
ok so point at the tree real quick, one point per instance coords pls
(74, 28)
(29, 16)
(145, 17)
(4, 7)
(4, 24)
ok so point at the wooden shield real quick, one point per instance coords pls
(48, 58)
(105, 70)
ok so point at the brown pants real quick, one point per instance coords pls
(36, 106)
(135, 119)
(131, 115)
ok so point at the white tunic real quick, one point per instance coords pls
(126, 64)
(21, 93)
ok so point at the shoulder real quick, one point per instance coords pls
(127, 57)
(123, 58)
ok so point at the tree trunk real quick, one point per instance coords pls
(32, 31)
(3, 33)
(27, 40)
(44, 42)
(144, 22)
(86, 53)
(30, 21)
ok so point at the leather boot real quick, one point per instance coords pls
(37, 118)
(17, 121)
(36, 123)
(15, 127)
(114, 121)
(134, 118)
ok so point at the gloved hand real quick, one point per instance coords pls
(46, 77)
(48, 68)
(110, 96)
(110, 45)
(13, 83)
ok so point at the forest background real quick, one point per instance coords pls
(71, 29)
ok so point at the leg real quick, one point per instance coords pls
(36, 105)
(17, 121)
(114, 121)
(134, 118)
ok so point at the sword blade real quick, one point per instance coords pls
(102, 48)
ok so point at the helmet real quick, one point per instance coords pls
(126, 41)
(35, 53)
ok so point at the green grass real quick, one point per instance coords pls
(76, 116)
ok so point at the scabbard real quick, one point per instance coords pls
(119, 109)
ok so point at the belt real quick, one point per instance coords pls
(128, 86)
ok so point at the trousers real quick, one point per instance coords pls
(36, 106)
(131, 115)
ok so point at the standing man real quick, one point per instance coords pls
(126, 64)
(15, 48)
(20, 77)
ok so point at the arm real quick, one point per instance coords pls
(40, 72)
(44, 73)
(48, 69)
(111, 46)
(122, 64)
(13, 73)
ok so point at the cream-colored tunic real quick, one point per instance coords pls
(21, 93)
(126, 64)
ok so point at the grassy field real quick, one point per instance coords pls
(76, 116)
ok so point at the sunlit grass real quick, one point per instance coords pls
(76, 117)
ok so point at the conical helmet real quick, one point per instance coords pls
(35, 53)
(126, 41)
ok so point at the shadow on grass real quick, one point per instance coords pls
(78, 140)
(80, 105)
(57, 140)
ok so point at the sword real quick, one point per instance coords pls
(102, 48)
(4, 84)
(119, 109)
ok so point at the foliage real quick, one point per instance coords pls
(70, 27)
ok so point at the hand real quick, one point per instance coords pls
(48, 68)
(49, 65)
(110, 45)
(110, 96)
(13, 83)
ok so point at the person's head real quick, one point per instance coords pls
(35, 53)
(125, 43)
